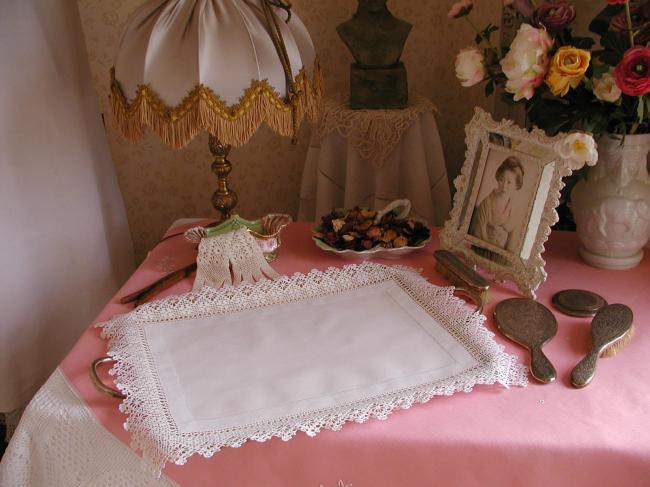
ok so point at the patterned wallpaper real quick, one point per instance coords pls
(160, 185)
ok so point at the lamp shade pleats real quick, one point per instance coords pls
(186, 66)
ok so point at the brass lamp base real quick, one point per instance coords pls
(224, 199)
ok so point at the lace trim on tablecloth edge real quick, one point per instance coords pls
(150, 422)
(60, 442)
(373, 133)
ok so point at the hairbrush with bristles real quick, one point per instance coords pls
(611, 330)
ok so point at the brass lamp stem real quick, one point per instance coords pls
(224, 199)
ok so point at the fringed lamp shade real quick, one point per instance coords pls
(221, 66)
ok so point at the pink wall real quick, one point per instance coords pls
(65, 244)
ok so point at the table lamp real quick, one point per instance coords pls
(223, 66)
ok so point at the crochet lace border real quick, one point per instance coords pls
(149, 420)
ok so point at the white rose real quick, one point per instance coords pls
(605, 87)
(578, 149)
(526, 63)
(470, 66)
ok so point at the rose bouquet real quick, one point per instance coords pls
(596, 84)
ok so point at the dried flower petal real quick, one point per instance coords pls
(338, 224)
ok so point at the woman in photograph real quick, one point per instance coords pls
(492, 219)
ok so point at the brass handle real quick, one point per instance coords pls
(471, 296)
(541, 367)
(98, 382)
(583, 372)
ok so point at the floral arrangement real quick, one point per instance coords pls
(594, 84)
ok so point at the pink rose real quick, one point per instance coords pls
(578, 149)
(605, 87)
(526, 63)
(470, 66)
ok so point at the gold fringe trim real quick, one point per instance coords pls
(203, 110)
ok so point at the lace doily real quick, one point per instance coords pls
(149, 419)
(60, 443)
(373, 133)
(230, 259)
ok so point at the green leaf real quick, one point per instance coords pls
(490, 30)
(599, 123)
(598, 70)
(551, 115)
(582, 42)
(615, 44)
(489, 88)
(485, 34)
(640, 110)
(600, 24)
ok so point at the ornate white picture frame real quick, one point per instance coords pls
(505, 200)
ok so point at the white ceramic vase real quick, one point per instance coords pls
(612, 208)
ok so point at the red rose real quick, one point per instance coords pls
(555, 16)
(632, 74)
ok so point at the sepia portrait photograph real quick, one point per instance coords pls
(505, 195)
(505, 201)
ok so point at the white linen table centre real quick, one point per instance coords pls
(321, 352)
(215, 368)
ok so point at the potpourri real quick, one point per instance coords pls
(355, 229)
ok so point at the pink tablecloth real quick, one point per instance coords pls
(542, 435)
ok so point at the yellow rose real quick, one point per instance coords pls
(567, 69)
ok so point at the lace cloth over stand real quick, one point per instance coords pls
(374, 133)
(230, 259)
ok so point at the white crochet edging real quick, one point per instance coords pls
(59, 442)
(150, 422)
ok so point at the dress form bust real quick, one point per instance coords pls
(374, 37)
(376, 40)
